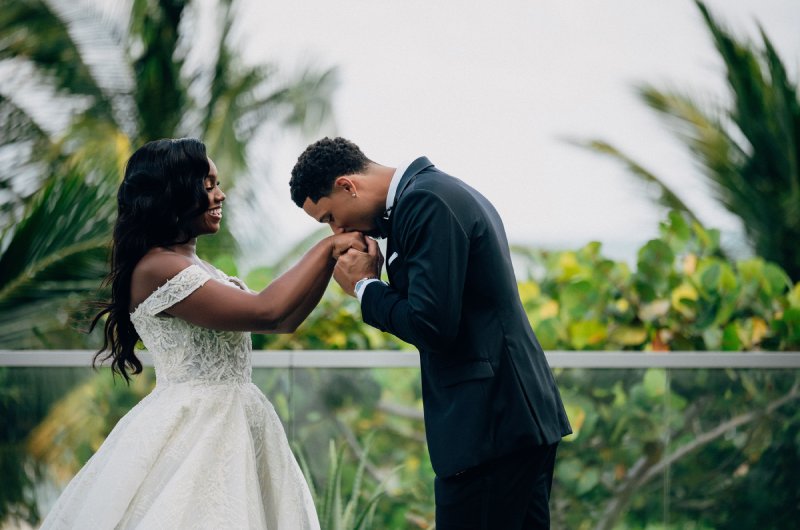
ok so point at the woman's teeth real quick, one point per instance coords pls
(216, 212)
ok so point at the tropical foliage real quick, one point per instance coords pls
(681, 296)
(748, 149)
(647, 443)
(336, 512)
(84, 84)
(121, 81)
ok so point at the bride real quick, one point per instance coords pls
(205, 449)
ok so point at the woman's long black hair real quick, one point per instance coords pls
(161, 195)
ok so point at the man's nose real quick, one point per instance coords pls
(337, 229)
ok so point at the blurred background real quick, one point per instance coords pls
(494, 94)
(643, 155)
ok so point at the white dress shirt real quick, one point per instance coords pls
(398, 174)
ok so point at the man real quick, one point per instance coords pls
(493, 414)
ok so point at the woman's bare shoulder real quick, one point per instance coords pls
(154, 270)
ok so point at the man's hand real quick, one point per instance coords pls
(341, 243)
(355, 265)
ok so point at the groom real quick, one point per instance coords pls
(493, 414)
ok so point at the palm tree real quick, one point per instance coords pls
(748, 151)
(81, 85)
(124, 78)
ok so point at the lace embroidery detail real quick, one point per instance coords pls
(185, 352)
(176, 289)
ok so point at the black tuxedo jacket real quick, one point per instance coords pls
(487, 388)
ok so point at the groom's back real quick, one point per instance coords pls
(491, 391)
(490, 281)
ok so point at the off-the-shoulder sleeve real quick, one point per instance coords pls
(175, 289)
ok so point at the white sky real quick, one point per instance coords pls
(488, 91)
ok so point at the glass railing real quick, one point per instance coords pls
(679, 440)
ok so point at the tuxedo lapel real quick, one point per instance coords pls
(408, 177)
(389, 252)
(417, 166)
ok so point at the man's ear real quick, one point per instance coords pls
(347, 184)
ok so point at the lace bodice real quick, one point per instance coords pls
(182, 351)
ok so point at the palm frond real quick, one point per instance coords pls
(786, 113)
(160, 91)
(56, 253)
(766, 112)
(17, 125)
(666, 196)
(242, 99)
(22, 142)
(307, 99)
(97, 149)
(720, 156)
(748, 151)
(29, 29)
(224, 136)
(101, 42)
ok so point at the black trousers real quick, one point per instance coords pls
(510, 493)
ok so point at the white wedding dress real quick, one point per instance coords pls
(204, 450)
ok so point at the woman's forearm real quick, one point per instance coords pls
(293, 295)
(296, 317)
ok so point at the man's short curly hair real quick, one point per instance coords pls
(321, 164)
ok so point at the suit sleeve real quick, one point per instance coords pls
(435, 248)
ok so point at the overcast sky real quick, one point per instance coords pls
(490, 90)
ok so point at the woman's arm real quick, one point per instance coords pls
(280, 307)
(309, 302)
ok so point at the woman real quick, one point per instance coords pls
(205, 449)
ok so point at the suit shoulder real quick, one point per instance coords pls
(424, 208)
(439, 184)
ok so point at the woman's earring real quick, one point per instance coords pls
(354, 195)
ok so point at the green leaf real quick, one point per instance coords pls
(794, 296)
(549, 333)
(712, 338)
(730, 338)
(629, 335)
(578, 298)
(587, 334)
(588, 480)
(655, 382)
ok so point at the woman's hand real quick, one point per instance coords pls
(355, 265)
(341, 243)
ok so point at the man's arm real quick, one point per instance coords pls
(435, 248)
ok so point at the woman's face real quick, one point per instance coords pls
(209, 221)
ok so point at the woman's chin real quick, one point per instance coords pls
(209, 229)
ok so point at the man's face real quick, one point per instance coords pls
(343, 212)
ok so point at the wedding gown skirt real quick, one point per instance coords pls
(205, 449)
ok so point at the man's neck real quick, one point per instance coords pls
(394, 184)
(381, 177)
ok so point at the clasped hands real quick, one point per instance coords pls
(357, 257)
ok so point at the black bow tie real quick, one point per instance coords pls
(383, 224)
